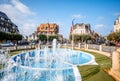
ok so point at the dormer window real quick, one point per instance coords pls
(2, 18)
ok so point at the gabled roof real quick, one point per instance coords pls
(4, 15)
(80, 24)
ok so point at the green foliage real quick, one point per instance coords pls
(17, 37)
(82, 38)
(10, 36)
(53, 37)
(102, 60)
(42, 37)
(95, 72)
(85, 37)
(114, 36)
(3, 35)
(88, 71)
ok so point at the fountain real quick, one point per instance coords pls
(45, 65)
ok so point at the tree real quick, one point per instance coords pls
(85, 38)
(42, 37)
(114, 36)
(77, 38)
(18, 37)
(51, 37)
(117, 37)
(10, 36)
(111, 36)
(80, 38)
(2, 35)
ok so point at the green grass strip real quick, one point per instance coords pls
(95, 72)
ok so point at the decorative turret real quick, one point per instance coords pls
(117, 24)
(119, 19)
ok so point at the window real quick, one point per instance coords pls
(2, 23)
(4, 29)
(8, 20)
(7, 24)
(81, 31)
(116, 30)
(46, 28)
(2, 18)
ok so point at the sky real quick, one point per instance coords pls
(29, 14)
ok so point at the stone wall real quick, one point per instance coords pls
(115, 70)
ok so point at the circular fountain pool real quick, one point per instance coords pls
(43, 65)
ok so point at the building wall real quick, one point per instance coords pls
(6, 24)
(32, 37)
(49, 28)
(117, 24)
(81, 28)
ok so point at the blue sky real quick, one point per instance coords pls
(28, 14)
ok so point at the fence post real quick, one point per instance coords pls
(79, 45)
(86, 46)
(100, 48)
(115, 61)
(16, 46)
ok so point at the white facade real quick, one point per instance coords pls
(32, 37)
(81, 29)
(117, 25)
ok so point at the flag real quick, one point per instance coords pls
(73, 25)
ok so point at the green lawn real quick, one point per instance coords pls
(19, 51)
(0, 66)
(15, 52)
(95, 72)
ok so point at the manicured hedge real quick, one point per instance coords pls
(10, 36)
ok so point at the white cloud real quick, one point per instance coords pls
(29, 28)
(100, 18)
(78, 16)
(21, 7)
(21, 15)
(99, 25)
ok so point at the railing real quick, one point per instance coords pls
(25, 47)
(109, 49)
(12, 48)
(99, 48)
(93, 46)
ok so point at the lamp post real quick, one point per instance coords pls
(72, 34)
(47, 31)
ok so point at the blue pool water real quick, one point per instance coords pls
(50, 67)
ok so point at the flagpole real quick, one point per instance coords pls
(72, 34)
